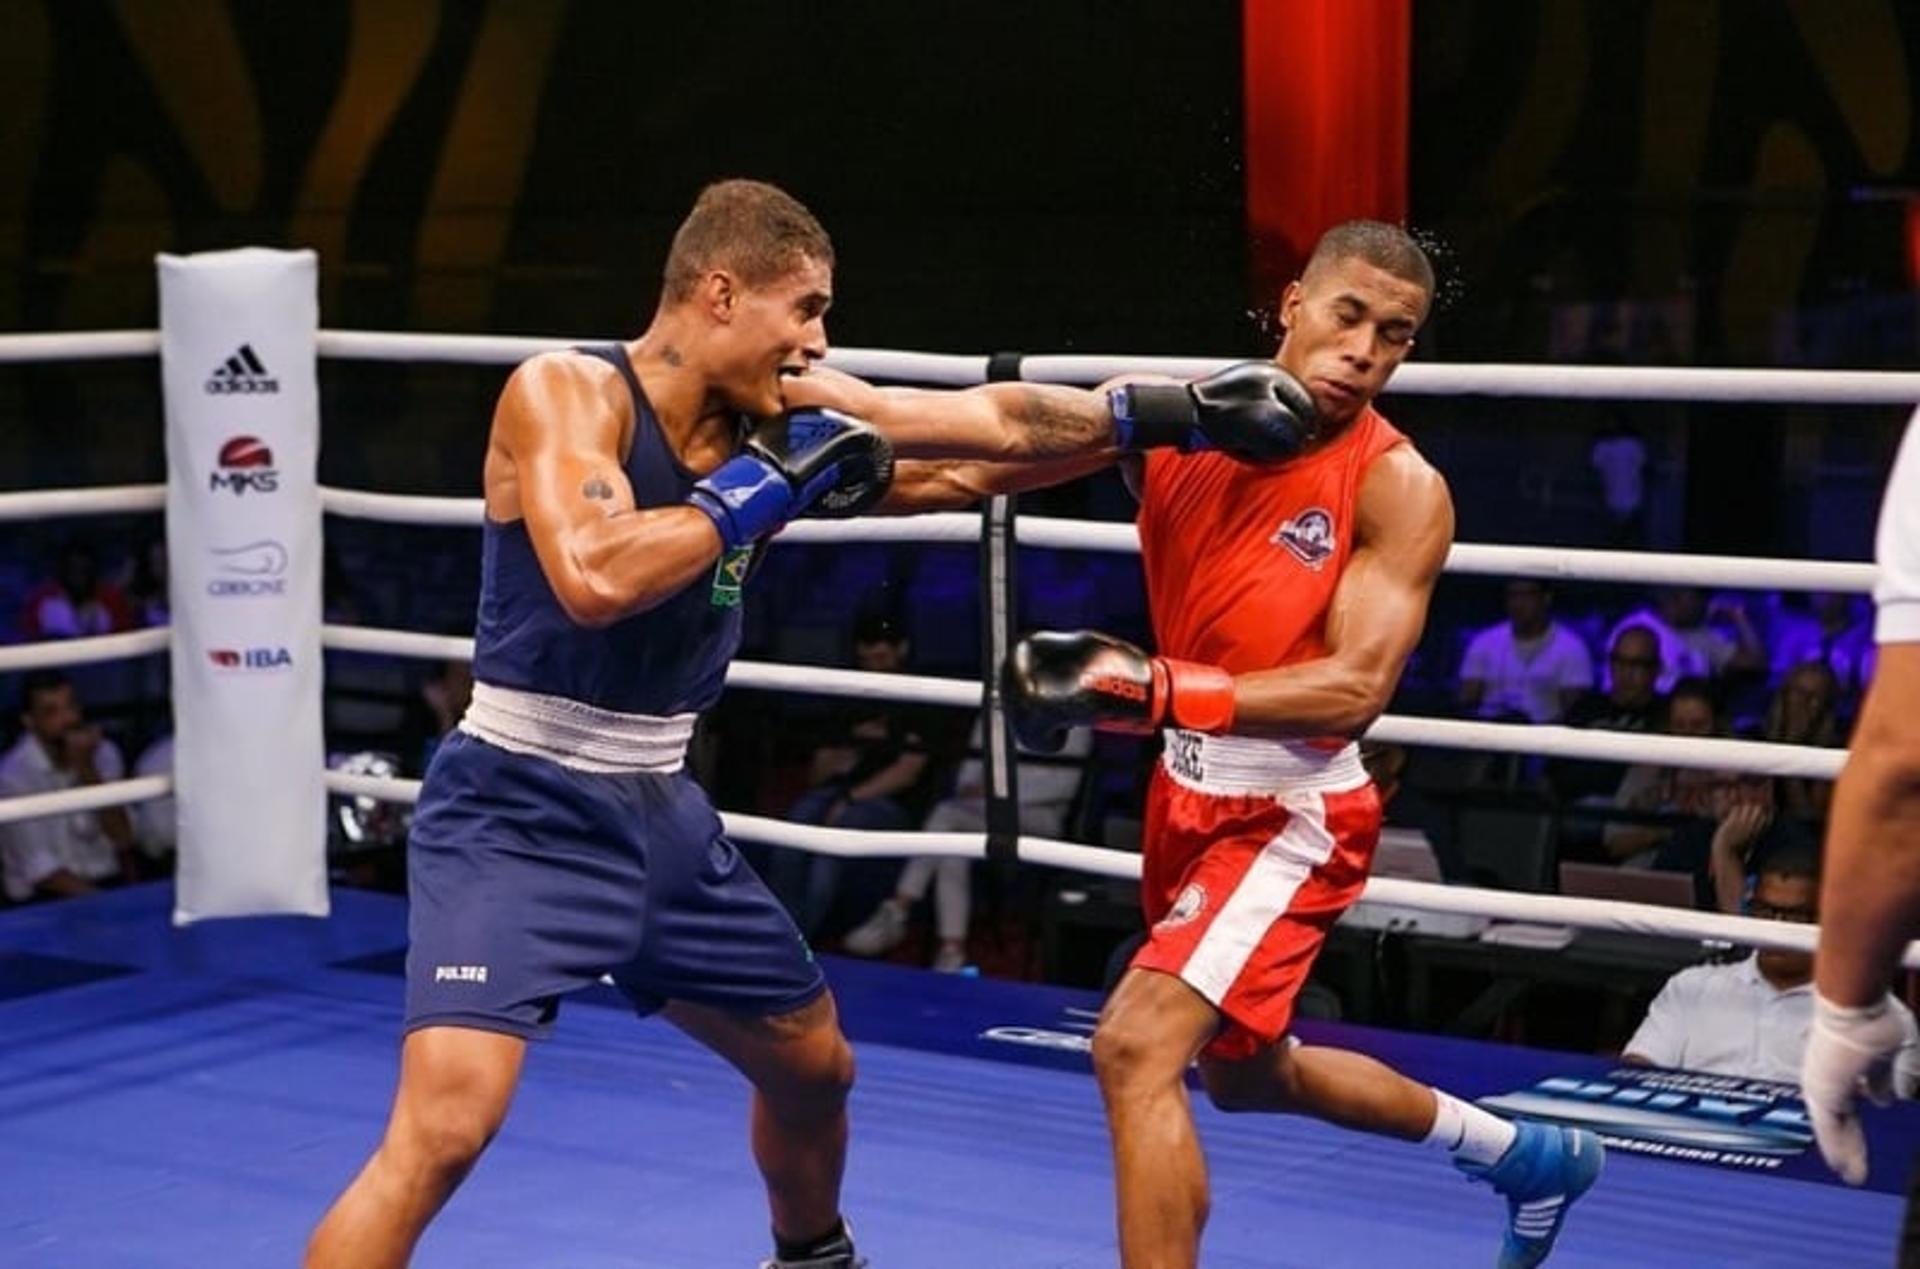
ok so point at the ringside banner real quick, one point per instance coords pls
(243, 552)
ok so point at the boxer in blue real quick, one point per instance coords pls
(559, 837)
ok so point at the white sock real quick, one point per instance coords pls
(1467, 1132)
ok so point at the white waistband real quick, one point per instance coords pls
(577, 735)
(1247, 764)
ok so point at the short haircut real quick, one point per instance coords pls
(753, 230)
(37, 682)
(1792, 858)
(1698, 688)
(1386, 247)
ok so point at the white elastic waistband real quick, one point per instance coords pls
(576, 735)
(1246, 764)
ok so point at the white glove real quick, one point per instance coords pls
(1849, 1051)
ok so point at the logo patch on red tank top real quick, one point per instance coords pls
(1191, 903)
(1309, 536)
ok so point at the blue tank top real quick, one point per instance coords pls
(671, 659)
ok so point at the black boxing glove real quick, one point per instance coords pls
(1253, 410)
(1054, 680)
(808, 461)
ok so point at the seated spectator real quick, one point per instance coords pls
(1690, 647)
(147, 601)
(1530, 666)
(155, 822)
(1692, 710)
(75, 603)
(1837, 633)
(868, 776)
(1750, 1018)
(434, 711)
(1733, 840)
(59, 855)
(1804, 712)
(1046, 790)
(1629, 704)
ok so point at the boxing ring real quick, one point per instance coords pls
(196, 1095)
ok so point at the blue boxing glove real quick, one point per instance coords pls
(1253, 410)
(809, 461)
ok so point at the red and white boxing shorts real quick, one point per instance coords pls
(1253, 849)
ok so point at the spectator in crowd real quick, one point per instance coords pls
(1751, 1018)
(1529, 666)
(155, 824)
(870, 775)
(1690, 645)
(147, 602)
(1739, 833)
(1047, 786)
(59, 855)
(1619, 458)
(75, 602)
(1837, 633)
(1648, 789)
(1629, 704)
(1805, 712)
(433, 713)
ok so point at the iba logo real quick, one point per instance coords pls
(242, 659)
(250, 571)
(242, 372)
(245, 463)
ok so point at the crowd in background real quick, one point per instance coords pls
(1678, 661)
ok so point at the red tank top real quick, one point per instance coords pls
(1241, 561)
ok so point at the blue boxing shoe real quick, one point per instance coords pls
(1541, 1175)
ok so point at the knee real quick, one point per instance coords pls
(1129, 1051)
(443, 1138)
(818, 1080)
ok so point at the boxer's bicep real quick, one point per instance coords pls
(1403, 530)
(564, 441)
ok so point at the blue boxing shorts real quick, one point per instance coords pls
(528, 880)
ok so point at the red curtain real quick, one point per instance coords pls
(1326, 124)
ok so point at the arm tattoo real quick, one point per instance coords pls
(1060, 422)
(597, 488)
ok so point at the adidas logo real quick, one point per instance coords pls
(243, 372)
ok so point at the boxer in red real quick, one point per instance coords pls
(1285, 600)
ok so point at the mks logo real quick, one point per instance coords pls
(245, 463)
(242, 372)
(250, 658)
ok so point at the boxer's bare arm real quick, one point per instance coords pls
(1403, 529)
(1872, 866)
(995, 422)
(555, 460)
(950, 486)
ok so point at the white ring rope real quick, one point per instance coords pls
(1500, 905)
(1119, 537)
(87, 651)
(1617, 383)
(104, 500)
(93, 345)
(1804, 762)
(90, 797)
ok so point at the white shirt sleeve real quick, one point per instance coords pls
(1897, 548)
(1478, 663)
(1576, 663)
(1662, 1037)
(30, 850)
